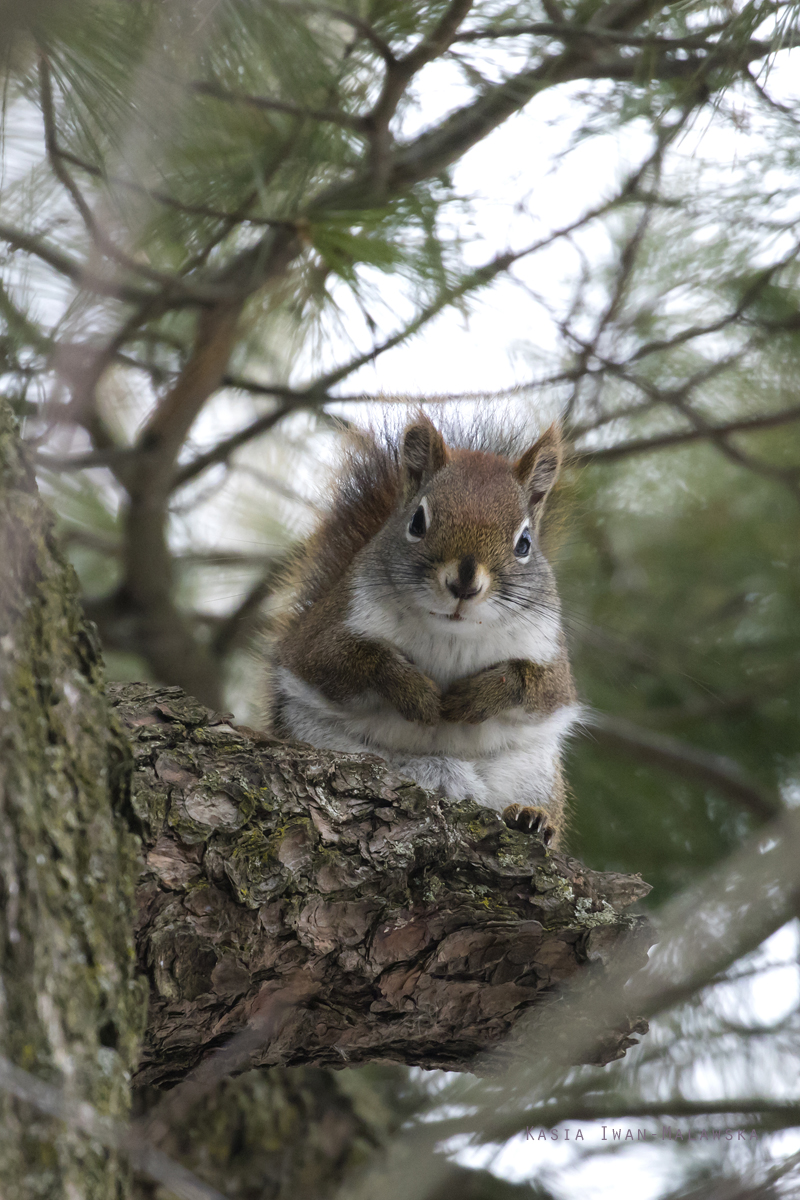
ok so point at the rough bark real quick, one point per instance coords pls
(330, 913)
(71, 1009)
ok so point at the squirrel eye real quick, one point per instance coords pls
(418, 525)
(524, 543)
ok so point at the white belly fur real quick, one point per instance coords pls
(508, 759)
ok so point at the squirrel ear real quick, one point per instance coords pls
(424, 453)
(538, 468)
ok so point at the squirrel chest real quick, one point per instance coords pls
(425, 624)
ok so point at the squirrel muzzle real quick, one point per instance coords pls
(466, 579)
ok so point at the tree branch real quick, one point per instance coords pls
(701, 932)
(436, 149)
(144, 601)
(89, 280)
(765, 1112)
(174, 293)
(196, 210)
(690, 762)
(362, 27)
(267, 104)
(360, 917)
(399, 73)
(317, 394)
(667, 441)
(102, 242)
(565, 30)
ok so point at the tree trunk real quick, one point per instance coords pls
(71, 1008)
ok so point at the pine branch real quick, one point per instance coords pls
(102, 242)
(269, 104)
(684, 437)
(195, 210)
(359, 24)
(84, 277)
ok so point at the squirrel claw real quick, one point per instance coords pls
(529, 820)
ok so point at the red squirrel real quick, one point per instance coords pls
(424, 623)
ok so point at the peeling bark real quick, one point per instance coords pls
(329, 913)
(71, 1009)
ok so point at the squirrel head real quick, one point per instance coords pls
(464, 537)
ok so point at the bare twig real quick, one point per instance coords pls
(566, 31)
(222, 452)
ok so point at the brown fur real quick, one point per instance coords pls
(321, 650)
(512, 684)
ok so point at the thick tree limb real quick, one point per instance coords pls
(317, 910)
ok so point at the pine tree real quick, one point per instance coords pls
(203, 205)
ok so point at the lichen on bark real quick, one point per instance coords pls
(71, 1007)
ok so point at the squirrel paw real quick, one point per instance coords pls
(417, 698)
(530, 820)
(477, 697)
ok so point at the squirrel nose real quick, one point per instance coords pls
(463, 593)
(466, 585)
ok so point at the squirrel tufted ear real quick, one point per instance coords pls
(424, 453)
(538, 468)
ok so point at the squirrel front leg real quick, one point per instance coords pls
(414, 694)
(515, 683)
(323, 652)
